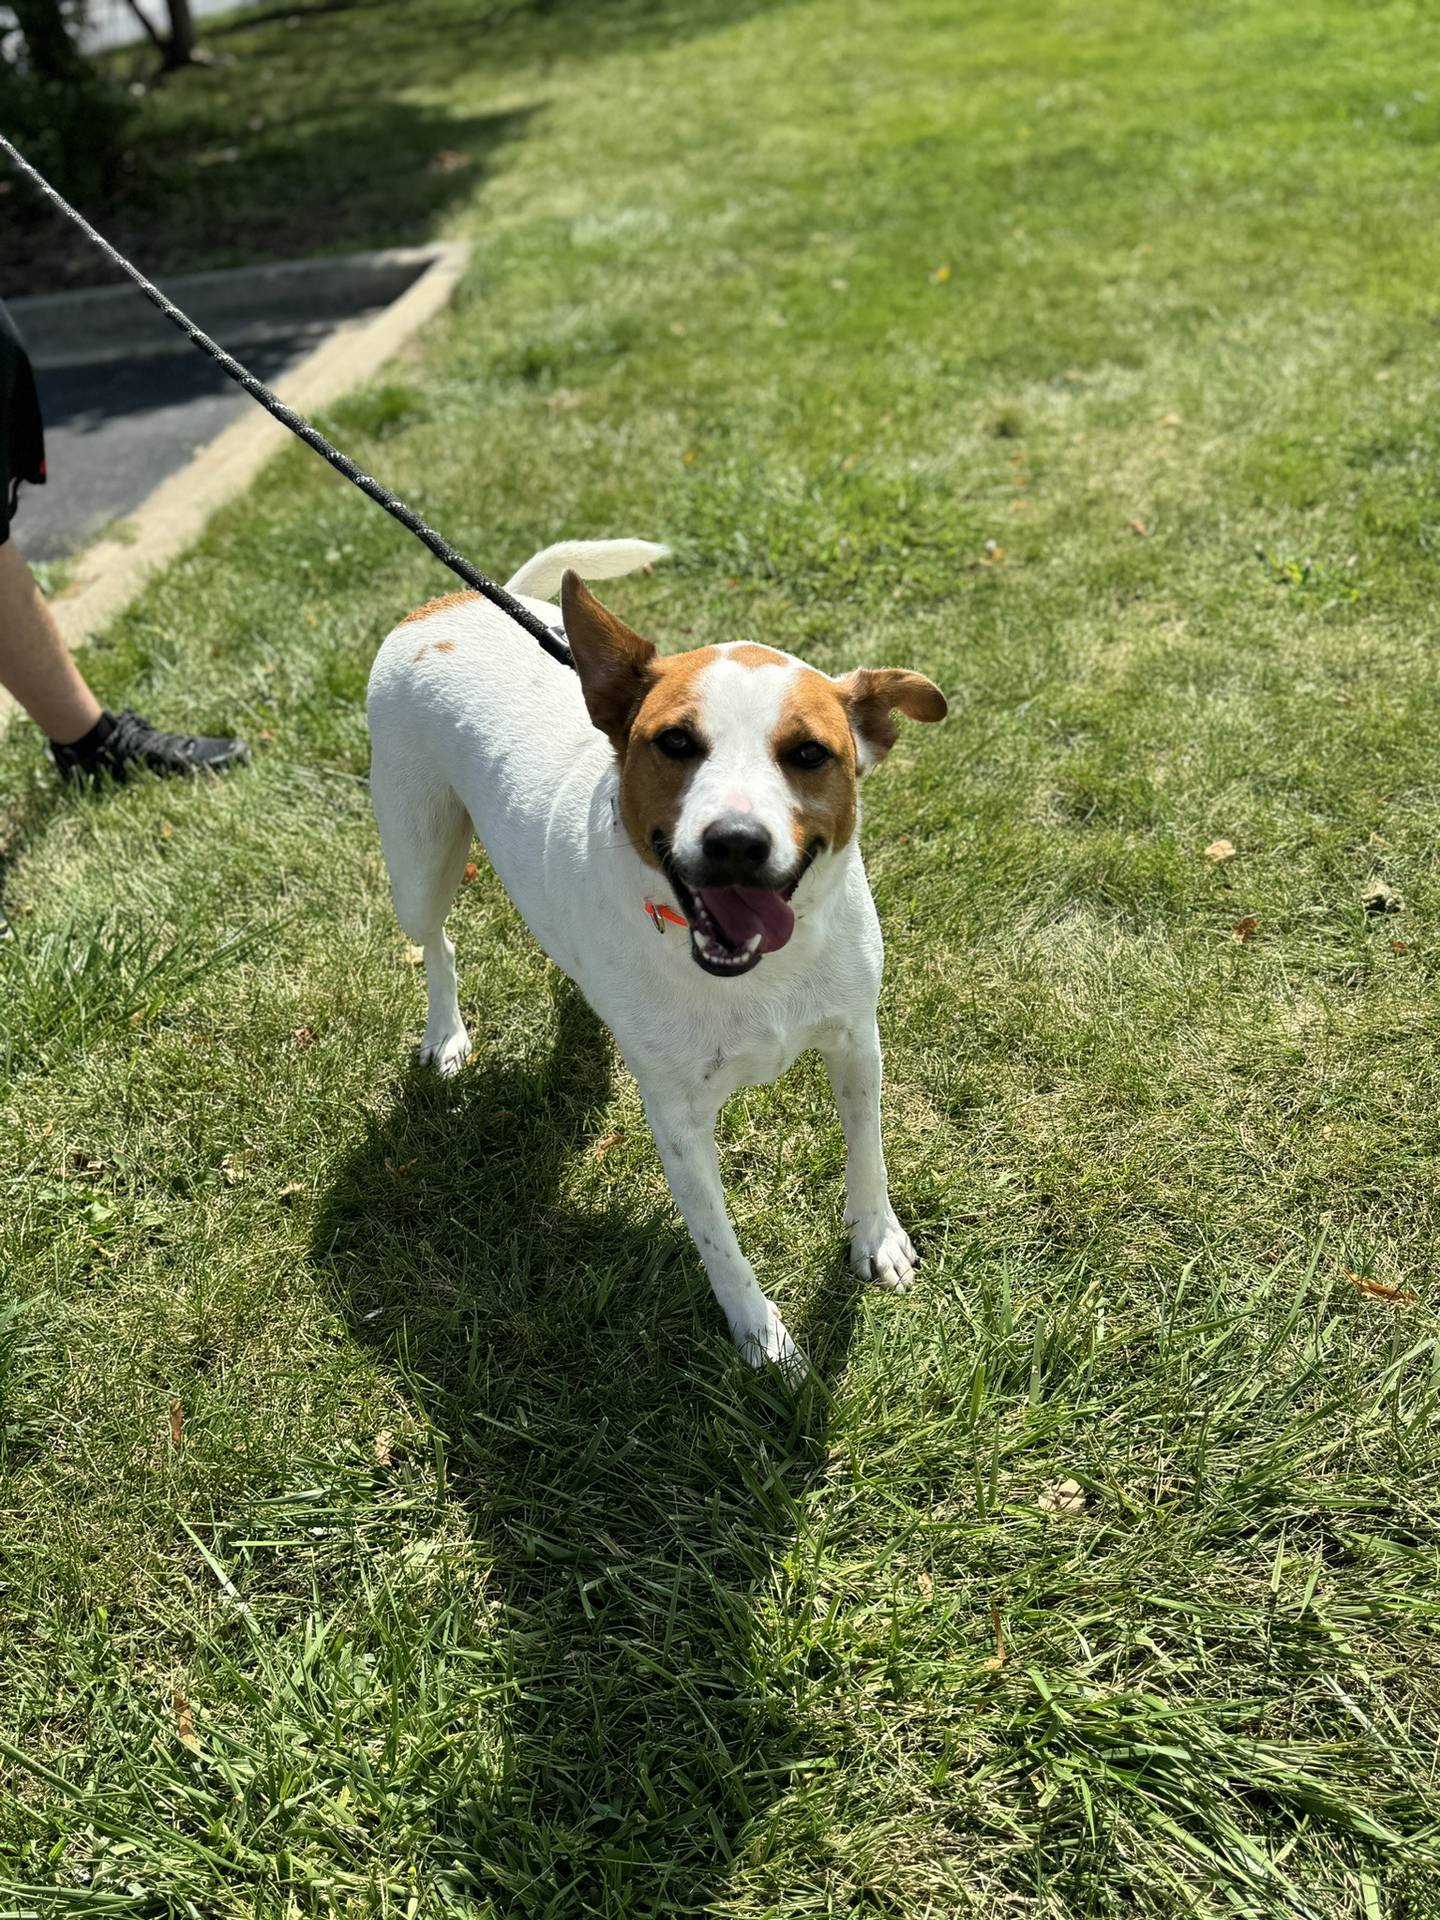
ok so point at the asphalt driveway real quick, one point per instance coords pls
(128, 401)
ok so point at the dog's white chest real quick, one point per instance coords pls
(752, 1063)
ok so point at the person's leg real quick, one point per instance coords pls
(86, 741)
(34, 663)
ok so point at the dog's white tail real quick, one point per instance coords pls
(592, 559)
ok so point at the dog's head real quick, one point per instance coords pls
(738, 768)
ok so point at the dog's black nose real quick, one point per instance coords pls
(735, 849)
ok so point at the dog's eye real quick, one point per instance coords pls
(676, 744)
(808, 755)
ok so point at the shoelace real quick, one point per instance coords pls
(133, 737)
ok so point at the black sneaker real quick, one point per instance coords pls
(128, 741)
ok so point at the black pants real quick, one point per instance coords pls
(22, 436)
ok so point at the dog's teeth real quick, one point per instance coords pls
(752, 943)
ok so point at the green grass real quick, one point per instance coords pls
(491, 1580)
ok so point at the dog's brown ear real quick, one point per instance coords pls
(614, 663)
(873, 694)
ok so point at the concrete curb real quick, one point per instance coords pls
(108, 575)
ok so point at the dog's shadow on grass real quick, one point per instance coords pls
(630, 1488)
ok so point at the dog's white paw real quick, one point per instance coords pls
(768, 1343)
(447, 1054)
(880, 1251)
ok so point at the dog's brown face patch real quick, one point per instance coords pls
(653, 782)
(784, 749)
(815, 715)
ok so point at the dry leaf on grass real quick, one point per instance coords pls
(413, 955)
(1139, 527)
(398, 1170)
(471, 870)
(611, 1140)
(1398, 946)
(1065, 1496)
(1377, 1290)
(1244, 930)
(1001, 1653)
(384, 1448)
(177, 1425)
(926, 1586)
(1220, 850)
(302, 1037)
(184, 1721)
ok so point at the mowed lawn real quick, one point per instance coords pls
(386, 1526)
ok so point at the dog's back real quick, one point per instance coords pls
(472, 723)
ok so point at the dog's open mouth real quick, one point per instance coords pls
(733, 928)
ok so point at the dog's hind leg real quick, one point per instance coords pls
(426, 833)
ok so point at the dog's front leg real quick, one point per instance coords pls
(685, 1134)
(880, 1248)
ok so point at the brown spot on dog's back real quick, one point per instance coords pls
(750, 653)
(444, 646)
(438, 606)
(824, 796)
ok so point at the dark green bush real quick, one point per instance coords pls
(71, 127)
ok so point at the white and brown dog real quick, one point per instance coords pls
(713, 790)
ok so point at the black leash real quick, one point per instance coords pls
(549, 638)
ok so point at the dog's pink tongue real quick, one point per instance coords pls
(742, 912)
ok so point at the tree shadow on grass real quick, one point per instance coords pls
(306, 137)
(372, 171)
(507, 28)
(633, 1497)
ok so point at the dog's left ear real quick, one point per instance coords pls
(614, 663)
(872, 695)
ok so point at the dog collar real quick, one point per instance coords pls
(660, 913)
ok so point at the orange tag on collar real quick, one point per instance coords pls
(661, 913)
